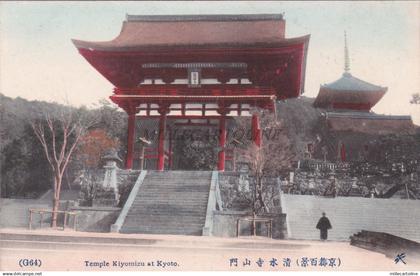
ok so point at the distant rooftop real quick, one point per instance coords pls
(366, 115)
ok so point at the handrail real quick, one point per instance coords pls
(123, 214)
(285, 211)
(42, 211)
(219, 200)
(211, 205)
(254, 220)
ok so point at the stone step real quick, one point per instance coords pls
(165, 192)
(181, 178)
(178, 172)
(165, 216)
(175, 185)
(172, 198)
(169, 206)
(144, 221)
(160, 229)
(162, 212)
(175, 189)
(169, 209)
(197, 178)
(163, 225)
(178, 206)
(161, 215)
(171, 180)
(173, 223)
(151, 198)
(192, 185)
(192, 232)
(179, 192)
(147, 198)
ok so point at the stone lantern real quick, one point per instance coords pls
(110, 180)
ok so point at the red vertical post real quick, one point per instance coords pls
(170, 149)
(161, 146)
(343, 153)
(256, 130)
(222, 143)
(131, 132)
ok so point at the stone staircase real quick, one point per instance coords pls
(349, 215)
(170, 202)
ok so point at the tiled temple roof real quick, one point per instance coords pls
(349, 83)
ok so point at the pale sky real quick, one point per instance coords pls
(39, 62)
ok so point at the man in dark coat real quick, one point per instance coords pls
(323, 225)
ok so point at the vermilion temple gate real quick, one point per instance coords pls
(199, 66)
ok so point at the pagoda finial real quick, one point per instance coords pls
(346, 55)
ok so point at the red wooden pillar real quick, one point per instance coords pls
(161, 146)
(256, 130)
(343, 153)
(222, 142)
(170, 149)
(131, 133)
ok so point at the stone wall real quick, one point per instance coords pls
(95, 219)
(349, 215)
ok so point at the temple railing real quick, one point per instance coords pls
(121, 218)
(218, 194)
(67, 215)
(321, 165)
(213, 201)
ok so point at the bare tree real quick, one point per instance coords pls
(59, 137)
(271, 159)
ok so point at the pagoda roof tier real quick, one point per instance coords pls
(222, 47)
(350, 83)
(349, 93)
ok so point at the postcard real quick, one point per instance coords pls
(236, 136)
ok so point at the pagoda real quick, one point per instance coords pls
(347, 104)
(198, 66)
(348, 92)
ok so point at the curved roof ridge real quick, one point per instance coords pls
(205, 17)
